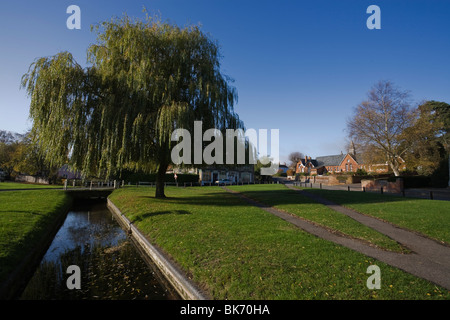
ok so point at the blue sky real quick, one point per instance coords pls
(299, 66)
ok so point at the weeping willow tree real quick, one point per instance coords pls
(144, 79)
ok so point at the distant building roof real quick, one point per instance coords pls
(333, 160)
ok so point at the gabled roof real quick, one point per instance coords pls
(334, 160)
(312, 161)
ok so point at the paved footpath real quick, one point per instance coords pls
(428, 259)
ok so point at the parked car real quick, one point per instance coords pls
(224, 182)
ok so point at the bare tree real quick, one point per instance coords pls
(379, 124)
(295, 157)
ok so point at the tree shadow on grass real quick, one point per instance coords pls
(17, 211)
(157, 213)
(279, 197)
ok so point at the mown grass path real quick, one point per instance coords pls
(429, 259)
(234, 250)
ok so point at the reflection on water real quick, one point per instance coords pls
(111, 267)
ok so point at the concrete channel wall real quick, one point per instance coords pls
(185, 288)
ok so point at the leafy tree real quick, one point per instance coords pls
(7, 151)
(145, 79)
(431, 133)
(379, 124)
(426, 153)
(23, 156)
(440, 117)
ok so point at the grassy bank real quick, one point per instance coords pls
(25, 219)
(17, 185)
(428, 217)
(237, 251)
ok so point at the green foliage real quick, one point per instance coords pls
(22, 156)
(341, 177)
(361, 172)
(429, 133)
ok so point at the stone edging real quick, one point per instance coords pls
(185, 288)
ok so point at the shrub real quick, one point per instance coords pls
(361, 172)
(416, 181)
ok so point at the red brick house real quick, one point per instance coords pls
(339, 163)
(334, 163)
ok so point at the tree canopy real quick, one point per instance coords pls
(145, 79)
(379, 124)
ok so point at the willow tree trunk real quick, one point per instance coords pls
(160, 180)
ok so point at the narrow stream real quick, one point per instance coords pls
(111, 267)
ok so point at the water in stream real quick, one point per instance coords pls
(110, 265)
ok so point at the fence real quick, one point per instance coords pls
(415, 193)
(91, 184)
(196, 184)
(95, 184)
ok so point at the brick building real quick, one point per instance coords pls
(340, 163)
(334, 163)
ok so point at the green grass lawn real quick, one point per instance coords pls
(25, 217)
(18, 185)
(237, 251)
(429, 217)
(291, 201)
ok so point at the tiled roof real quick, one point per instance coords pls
(334, 160)
(313, 161)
